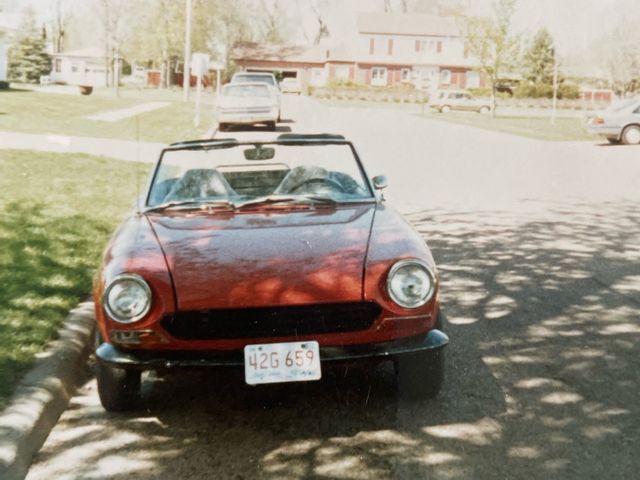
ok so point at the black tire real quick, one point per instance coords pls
(118, 388)
(271, 126)
(420, 375)
(631, 135)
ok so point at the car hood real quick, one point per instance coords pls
(266, 258)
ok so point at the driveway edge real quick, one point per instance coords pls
(44, 393)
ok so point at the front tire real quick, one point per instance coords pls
(445, 109)
(420, 375)
(631, 135)
(484, 110)
(118, 388)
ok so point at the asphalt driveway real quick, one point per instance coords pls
(539, 248)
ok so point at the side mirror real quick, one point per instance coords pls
(380, 182)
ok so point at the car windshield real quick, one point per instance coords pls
(324, 173)
(246, 91)
(254, 78)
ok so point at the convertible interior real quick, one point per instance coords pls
(213, 184)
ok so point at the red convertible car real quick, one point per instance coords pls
(278, 257)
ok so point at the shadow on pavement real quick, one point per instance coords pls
(542, 377)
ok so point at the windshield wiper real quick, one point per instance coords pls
(268, 200)
(275, 199)
(193, 203)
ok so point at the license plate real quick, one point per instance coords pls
(282, 362)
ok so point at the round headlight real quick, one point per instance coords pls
(411, 283)
(127, 298)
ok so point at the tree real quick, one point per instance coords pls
(29, 59)
(59, 23)
(491, 44)
(273, 21)
(620, 53)
(539, 59)
(116, 25)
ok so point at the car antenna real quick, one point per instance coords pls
(137, 164)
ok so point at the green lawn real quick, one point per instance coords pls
(565, 129)
(56, 215)
(29, 111)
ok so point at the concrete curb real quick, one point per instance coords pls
(44, 393)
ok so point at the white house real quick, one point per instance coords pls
(80, 67)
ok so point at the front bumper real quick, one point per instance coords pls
(605, 130)
(147, 360)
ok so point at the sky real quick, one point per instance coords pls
(574, 24)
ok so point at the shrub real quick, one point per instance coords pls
(533, 90)
(343, 83)
(568, 91)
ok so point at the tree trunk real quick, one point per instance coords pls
(493, 98)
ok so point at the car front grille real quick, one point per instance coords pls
(272, 321)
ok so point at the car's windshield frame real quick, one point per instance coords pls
(216, 144)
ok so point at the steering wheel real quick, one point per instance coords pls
(325, 181)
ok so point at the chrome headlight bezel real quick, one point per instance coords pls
(126, 277)
(412, 262)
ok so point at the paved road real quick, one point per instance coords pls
(539, 248)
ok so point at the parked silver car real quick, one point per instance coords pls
(446, 100)
(620, 123)
(246, 104)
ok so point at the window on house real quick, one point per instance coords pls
(472, 80)
(439, 47)
(74, 67)
(58, 65)
(425, 45)
(445, 77)
(378, 76)
(318, 76)
(390, 47)
(405, 74)
(342, 72)
(372, 43)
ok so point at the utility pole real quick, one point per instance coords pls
(554, 105)
(186, 72)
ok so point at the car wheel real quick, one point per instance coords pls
(420, 375)
(484, 110)
(631, 135)
(118, 388)
(445, 109)
(271, 126)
